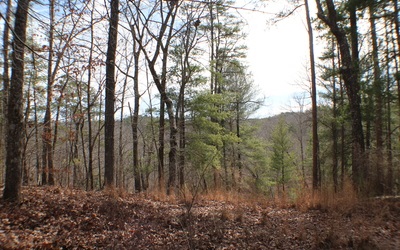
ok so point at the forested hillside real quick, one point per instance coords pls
(156, 99)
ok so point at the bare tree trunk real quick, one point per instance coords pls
(12, 188)
(6, 85)
(334, 125)
(110, 96)
(389, 179)
(120, 172)
(397, 58)
(47, 175)
(180, 116)
(134, 124)
(378, 110)
(89, 101)
(99, 128)
(25, 171)
(135, 120)
(316, 166)
(161, 146)
(36, 124)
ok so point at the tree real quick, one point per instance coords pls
(281, 159)
(110, 95)
(300, 131)
(243, 101)
(349, 72)
(224, 35)
(163, 15)
(47, 174)
(6, 82)
(316, 165)
(12, 188)
(187, 73)
(378, 95)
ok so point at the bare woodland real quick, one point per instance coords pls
(145, 110)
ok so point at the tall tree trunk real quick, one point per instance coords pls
(378, 110)
(397, 58)
(135, 120)
(162, 48)
(182, 140)
(110, 96)
(120, 172)
(36, 124)
(48, 175)
(349, 72)
(161, 146)
(334, 124)
(99, 128)
(91, 142)
(397, 23)
(316, 166)
(389, 179)
(12, 188)
(134, 125)
(342, 137)
(239, 153)
(172, 155)
(75, 155)
(6, 85)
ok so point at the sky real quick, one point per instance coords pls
(277, 57)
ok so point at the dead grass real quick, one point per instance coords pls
(115, 193)
(326, 199)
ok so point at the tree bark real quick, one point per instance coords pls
(6, 84)
(12, 188)
(110, 96)
(378, 110)
(334, 128)
(316, 166)
(47, 174)
(349, 72)
(135, 119)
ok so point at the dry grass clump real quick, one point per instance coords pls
(326, 199)
(115, 192)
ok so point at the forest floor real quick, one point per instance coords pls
(57, 218)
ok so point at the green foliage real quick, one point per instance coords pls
(255, 160)
(281, 157)
(208, 136)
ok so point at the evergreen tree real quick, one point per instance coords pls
(281, 156)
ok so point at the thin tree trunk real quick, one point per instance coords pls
(397, 58)
(89, 101)
(99, 143)
(134, 124)
(48, 175)
(334, 125)
(161, 146)
(316, 166)
(36, 124)
(120, 172)
(378, 110)
(25, 171)
(389, 187)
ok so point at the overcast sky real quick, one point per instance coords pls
(278, 56)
